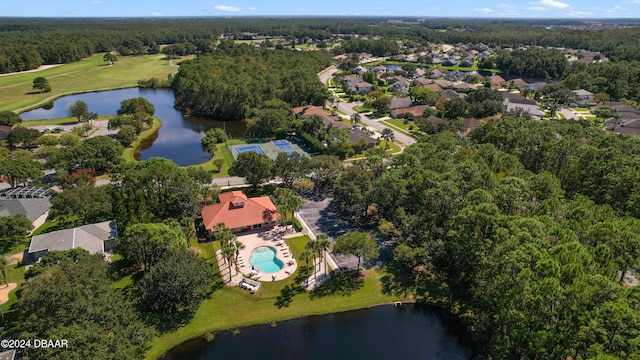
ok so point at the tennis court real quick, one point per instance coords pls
(282, 144)
(269, 148)
(245, 148)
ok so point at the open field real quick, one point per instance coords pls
(90, 74)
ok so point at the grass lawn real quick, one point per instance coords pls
(393, 148)
(129, 152)
(89, 74)
(221, 153)
(230, 307)
(58, 121)
(394, 126)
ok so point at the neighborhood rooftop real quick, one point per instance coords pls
(30, 192)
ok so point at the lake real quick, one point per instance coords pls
(179, 137)
(382, 332)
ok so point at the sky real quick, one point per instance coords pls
(419, 8)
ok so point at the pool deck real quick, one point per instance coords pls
(275, 238)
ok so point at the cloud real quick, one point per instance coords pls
(580, 13)
(98, 2)
(156, 14)
(485, 10)
(535, 8)
(227, 8)
(251, 8)
(554, 4)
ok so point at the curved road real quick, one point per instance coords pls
(347, 109)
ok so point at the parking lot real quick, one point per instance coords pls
(323, 216)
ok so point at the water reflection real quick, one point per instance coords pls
(179, 137)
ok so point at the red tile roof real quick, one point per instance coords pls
(235, 210)
(310, 110)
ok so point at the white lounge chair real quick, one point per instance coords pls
(288, 272)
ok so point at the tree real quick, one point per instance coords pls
(289, 201)
(78, 110)
(15, 226)
(290, 167)
(254, 167)
(152, 191)
(355, 118)
(143, 245)
(42, 84)
(139, 108)
(9, 118)
(211, 138)
(360, 244)
(423, 96)
(75, 300)
(325, 169)
(173, 289)
(3, 268)
(455, 108)
(323, 244)
(388, 135)
(126, 135)
(218, 163)
(351, 190)
(20, 170)
(89, 203)
(22, 136)
(110, 58)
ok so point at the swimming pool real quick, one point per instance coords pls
(264, 258)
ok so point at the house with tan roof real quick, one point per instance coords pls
(240, 213)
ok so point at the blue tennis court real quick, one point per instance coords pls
(282, 144)
(256, 148)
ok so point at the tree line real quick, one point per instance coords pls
(528, 223)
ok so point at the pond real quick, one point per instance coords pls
(179, 137)
(383, 332)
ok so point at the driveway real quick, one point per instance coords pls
(322, 216)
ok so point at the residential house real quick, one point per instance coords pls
(584, 97)
(496, 80)
(413, 111)
(240, 213)
(450, 62)
(99, 238)
(420, 72)
(443, 83)
(435, 74)
(4, 130)
(421, 82)
(513, 102)
(360, 70)
(450, 94)
(454, 76)
(434, 87)
(363, 87)
(355, 135)
(518, 84)
(32, 202)
(400, 102)
(399, 84)
(537, 86)
(379, 70)
(327, 120)
(467, 62)
(464, 86)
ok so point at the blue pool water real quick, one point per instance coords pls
(264, 258)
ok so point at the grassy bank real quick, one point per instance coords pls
(58, 121)
(130, 151)
(230, 308)
(90, 74)
(220, 153)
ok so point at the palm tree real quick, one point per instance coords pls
(312, 247)
(188, 228)
(228, 251)
(388, 135)
(3, 268)
(323, 245)
(289, 201)
(355, 118)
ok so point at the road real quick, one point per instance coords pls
(347, 109)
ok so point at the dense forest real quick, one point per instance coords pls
(533, 224)
(28, 43)
(240, 78)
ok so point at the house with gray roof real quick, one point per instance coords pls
(99, 238)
